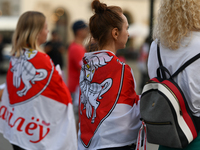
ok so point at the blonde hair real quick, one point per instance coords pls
(176, 18)
(25, 36)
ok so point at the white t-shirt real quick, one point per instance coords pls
(189, 78)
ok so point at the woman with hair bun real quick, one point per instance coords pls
(109, 106)
(177, 33)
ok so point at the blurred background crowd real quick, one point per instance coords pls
(61, 14)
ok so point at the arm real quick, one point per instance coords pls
(1, 93)
(2, 86)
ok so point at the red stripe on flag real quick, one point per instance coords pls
(155, 80)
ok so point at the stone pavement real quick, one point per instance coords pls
(5, 145)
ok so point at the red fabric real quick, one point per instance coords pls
(121, 91)
(36, 108)
(186, 116)
(75, 54)
(52, 82)
(128, 95)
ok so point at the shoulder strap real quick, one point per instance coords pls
(187, 63)
(161, 67)
(159, 57)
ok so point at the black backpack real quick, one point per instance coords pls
(164, 109)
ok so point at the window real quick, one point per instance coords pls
(9, 7)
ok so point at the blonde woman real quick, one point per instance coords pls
(178, 34)
(36, 110)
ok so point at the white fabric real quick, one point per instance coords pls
(188, 79)
(103, 137)
(59, 120)
(2, 86)
(101, 86)
(76, 96)
(59, 69)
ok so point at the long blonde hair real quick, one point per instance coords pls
(176, 18)
(28, 27)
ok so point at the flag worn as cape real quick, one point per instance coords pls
(36, 111)
(109, 106)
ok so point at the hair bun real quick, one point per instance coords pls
(99, 7)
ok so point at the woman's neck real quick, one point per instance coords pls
(111, 47)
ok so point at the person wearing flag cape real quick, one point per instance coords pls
(36, 110)
(109, 116)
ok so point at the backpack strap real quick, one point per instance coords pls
(187, 63)
(159, 57)
(162, 69)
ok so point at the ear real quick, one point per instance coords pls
(115, 33)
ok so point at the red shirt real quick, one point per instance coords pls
(75, 54)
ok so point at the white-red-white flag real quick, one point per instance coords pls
(36, 111)
(109, 105)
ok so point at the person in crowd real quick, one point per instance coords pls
(36, 110)
(109, 113)
(142, 62)
(54, 48)
(76, 51)
(177, 33)
(1, 54)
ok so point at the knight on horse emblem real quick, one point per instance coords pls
(24, 71)
(90, 92)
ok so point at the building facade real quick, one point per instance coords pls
(62, 13)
